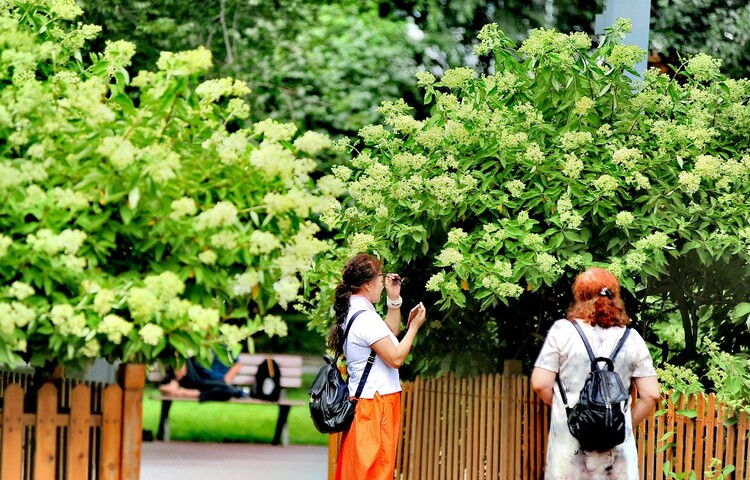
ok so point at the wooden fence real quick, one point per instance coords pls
(494, 427)
(72, 431)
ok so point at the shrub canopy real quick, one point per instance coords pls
(518, 180)
(141, 218)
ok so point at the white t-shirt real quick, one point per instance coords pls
(367, 329)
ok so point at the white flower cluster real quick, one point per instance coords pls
(274, 325)
(273, 160)
(274, 131)
(312, 142)
(185, 63)
(210, 91)
(607, 184)
(263, 243)
(286, 289)
(689, 182)
(208, 257)
(449, 256)
(501, 288)
(707, 166)
(624, 219)
(293, 200)
(534, 154)
(104, 301)
(361, 242)
(456, 236)
(151, 334)
(224, 239)
(68, 241)
(568, 216)
(67, 321)
(12, 315)
(583, 106)
(548, 264)
(21, 290)
(222, 214)
(5, 243)
(572, 140)
(503, 268)
(232, 148)
(573, 166)
(516, 188)
(183, 207)
(408, 161)
(232, 334)
(245, 283)
(655, 241)
(162, 163)
(67, 199)
(115, 328)
(627, 157)
(202, 319)
(120, 152)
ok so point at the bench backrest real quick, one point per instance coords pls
(290, 366)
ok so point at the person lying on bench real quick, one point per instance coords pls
(193, 380)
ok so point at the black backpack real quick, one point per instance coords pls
(331, 410)
(267, 381)
(597, 421)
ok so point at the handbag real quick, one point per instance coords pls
(331, 410)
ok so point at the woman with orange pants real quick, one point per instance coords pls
(368, 450)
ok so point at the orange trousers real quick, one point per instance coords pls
(368, 451)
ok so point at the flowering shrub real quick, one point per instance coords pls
(520, 179)
(141, 217)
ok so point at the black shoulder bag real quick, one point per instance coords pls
(331, 409)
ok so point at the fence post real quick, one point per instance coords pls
(132, 379)
(508, 433)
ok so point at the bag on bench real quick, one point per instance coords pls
(267, 381)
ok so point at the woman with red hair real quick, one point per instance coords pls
(600, 313)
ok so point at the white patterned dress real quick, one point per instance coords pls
(564, 353)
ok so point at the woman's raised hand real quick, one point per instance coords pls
(417, 316)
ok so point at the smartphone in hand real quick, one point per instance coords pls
(413, 313)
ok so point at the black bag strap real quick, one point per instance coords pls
(594, 360)
(370, 359)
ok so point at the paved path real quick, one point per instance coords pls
(229, 461)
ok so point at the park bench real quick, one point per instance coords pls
(290, 367)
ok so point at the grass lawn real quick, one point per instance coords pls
(227, 422)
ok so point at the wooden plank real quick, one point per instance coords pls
(429, 429)
(462, 437)
(46, 432)
(453, 405)
(651, 446)
(689, 436)
(408, 435)
(710, 421)
(700, 433)
(720, 433)
(418, 452)
(741, 451)
(402, 429)
(679, 458)
(445, 426)
(519, 442)
(11, 462)
(78, 433)
(495, 419)
(506, 462)
(132, 380)
(111, 436)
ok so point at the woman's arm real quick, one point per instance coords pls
(648, 395)
(395, 355)
(543, 383)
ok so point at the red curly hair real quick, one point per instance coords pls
(597, 300)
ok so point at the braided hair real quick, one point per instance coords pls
(597, 300)
(359, 270)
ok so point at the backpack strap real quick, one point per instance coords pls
(370, 359)
(593, 359)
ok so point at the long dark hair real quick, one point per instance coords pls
(359, 270)
(597, 300)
